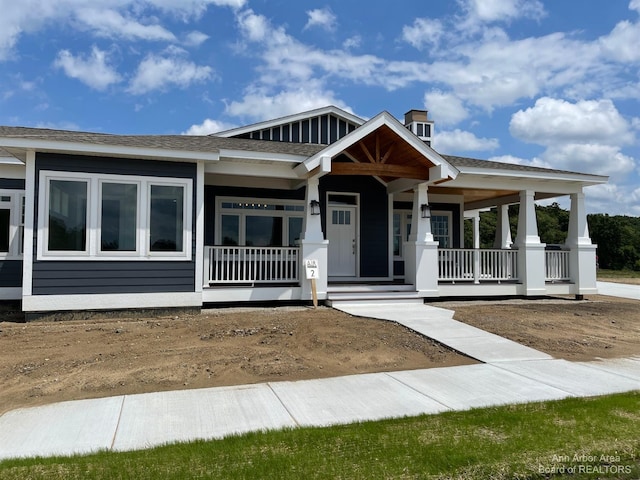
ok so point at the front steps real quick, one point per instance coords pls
(358, 293)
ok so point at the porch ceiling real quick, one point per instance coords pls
(383, 153)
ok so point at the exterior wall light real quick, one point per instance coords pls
(314, 206)
(425, 210)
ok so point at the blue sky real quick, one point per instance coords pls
(547, 83)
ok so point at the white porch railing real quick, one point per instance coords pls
(467, 264)
(557, 265)
(251, 264)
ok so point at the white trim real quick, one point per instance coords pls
(250, 294)
(14, 205)
(199, 227)
(90, 148)
(262, 156)
(445, 170)
(356, 206)
(285, 214)
(93, 251)
(112, 301)
(29, 191)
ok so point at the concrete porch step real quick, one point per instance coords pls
(358, 287)
(355, 297)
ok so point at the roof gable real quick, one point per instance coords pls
(320, 126)
(385, 148)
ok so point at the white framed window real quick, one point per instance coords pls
(113, 217)
(11, 224)
(441, 228)
(401, 230)
(259, 222)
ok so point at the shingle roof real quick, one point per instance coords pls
(200, 143)
(212, 143)
(461, 162)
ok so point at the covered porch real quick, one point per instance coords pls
(338, 208)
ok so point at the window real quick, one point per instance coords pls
(259, 222)
(166, 218)
(119, 217)
(67, 216)
(11, 223)
(440, 228)
(401, 230)
(110, 217)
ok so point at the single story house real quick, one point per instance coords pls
(99, 221)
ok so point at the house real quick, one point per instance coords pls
(98, 221)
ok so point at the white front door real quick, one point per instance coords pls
(341, 233)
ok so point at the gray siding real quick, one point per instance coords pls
(10, 273)
(12, 183)
(97, 276)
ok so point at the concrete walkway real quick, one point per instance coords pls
(619, 290)
(512, 374)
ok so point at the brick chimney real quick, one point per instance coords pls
(418, 122)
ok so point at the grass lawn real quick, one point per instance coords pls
(618, 274)
(573, 438)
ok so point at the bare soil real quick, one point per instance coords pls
(47, 361)
(598, 327)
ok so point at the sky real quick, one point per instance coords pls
(535, 82)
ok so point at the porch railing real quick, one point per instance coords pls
(557, 266)
(467, 264)
(251, 264)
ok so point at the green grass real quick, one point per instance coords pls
(618, 274)
(523, 441)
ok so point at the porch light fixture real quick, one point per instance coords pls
(425, 210)
(314, 205)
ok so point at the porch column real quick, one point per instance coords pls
(420, 251)
(582, 259)
(476, 247)
(313, 246)
(503, 230)
(531, 257)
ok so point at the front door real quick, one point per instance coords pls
(341, 233)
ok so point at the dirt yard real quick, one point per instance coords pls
(46, 361)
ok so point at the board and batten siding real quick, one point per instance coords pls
(11, 270)
(54, 277)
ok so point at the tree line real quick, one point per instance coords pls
(617, 236)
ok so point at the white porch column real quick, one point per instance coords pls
(313, 246)
(582, 259)
(420, 251)
(531, 257)
(503, 229)
(476, 247)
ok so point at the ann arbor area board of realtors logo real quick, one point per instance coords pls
(581, 463)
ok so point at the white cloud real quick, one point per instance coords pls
(352, 42)
(129, 19)
(259, 104)
(554, 121)
(622, 43)
(446, 108)
(635, 5)
(424, 32)
(593, 158)
(321, 17)
(195, 38)
(457, 141)
(208, 126)
(487, 11)
(92, 70)
(112, 24)
(157, 72)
